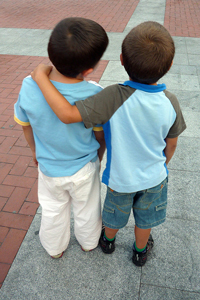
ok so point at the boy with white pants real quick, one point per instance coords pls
(67, 155)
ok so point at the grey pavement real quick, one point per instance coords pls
(173, 269)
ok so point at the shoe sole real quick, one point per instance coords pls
(57, 256)
(84, 250)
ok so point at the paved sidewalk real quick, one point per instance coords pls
(173, 270)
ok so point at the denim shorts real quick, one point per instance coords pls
(149, 207)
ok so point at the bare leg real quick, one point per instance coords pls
(110, 233)
(141, 237)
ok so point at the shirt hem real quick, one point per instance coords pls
(132, 189)
(21, 122)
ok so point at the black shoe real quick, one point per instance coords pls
(140, 258)
(106, 246)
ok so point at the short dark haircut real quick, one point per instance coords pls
(76, 45)
(148, 51)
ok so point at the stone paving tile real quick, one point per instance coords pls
(182, 18)
(158, 293)
(18, 175)
(111, 14)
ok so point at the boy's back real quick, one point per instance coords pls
(61, 149)
(135, 131)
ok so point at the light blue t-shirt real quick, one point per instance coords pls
(61, 149)
(136, 133)
(136, 118)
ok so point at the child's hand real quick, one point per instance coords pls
(41, 70)
(34, 159)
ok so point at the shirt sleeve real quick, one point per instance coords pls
(179, 125)
(98, 128)
(98, 109)
(19, 113)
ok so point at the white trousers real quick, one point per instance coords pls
(56, 194)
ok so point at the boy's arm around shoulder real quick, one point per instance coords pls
(99, 108)
(94, 110)
(66, 112)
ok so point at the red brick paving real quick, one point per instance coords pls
(182, 17)
(18, 175)
(11, 245)
(4, 271)
(113, 15)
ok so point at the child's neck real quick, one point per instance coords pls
(57, 76)
(148, 84)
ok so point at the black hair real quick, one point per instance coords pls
(76, 45)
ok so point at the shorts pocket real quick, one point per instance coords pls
(108, 209)
(113, 193)
(151, 197)
(161, 206)
(158, 188)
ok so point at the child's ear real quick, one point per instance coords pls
(87, 72)
(121, 59)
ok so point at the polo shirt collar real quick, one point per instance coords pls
(145, 87)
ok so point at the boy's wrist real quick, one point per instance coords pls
(40, 75)
(41, 72)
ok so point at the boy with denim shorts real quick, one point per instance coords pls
(67, 155)
(141, 122)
